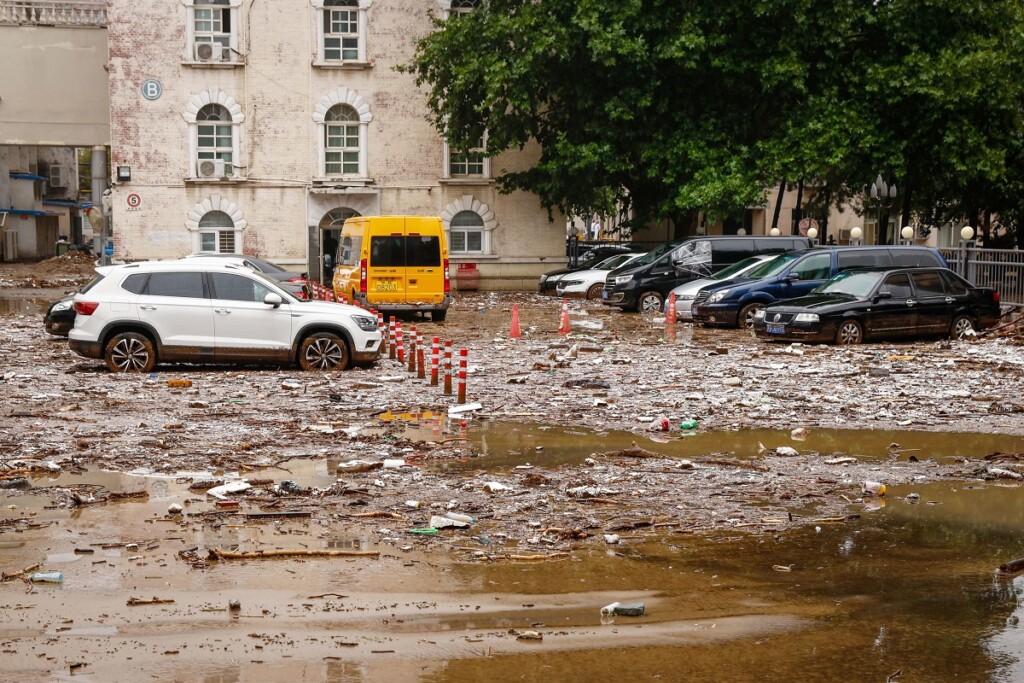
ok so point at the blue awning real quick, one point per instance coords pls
(26, 176)
(68, 202)
(25, 212)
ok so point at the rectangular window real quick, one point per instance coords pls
(218, 242)
(470, 163)
(212, 26)
(184, 285)
(215, 142)
(398, 251)
(342, 155)
(422, 251)
(341, 35)
(467, 241)
(387, 252)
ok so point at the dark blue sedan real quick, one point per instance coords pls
(862, 305)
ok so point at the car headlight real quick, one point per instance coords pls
(622, 279)
(62, 306)
(684, 297)
(365, 323)
(806, 318)
(759, 314)
(718, 296)
(543, 279)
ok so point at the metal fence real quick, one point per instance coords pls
(999, 268)
(54, 12)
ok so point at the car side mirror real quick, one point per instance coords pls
(792, 277)
(881, 295)
(272, 299)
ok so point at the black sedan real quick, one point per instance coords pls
(289, 280)
(859, 305)
(587, 260)
(60, 317)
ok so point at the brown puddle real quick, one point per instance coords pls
(908, 587)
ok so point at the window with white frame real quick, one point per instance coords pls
(470, 164)
(215, 136)
(341, 141)
(211, 30)
(466, 233)
(450, 7)
(216, 233)
(341, 31)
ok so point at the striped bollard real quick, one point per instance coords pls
(412, 349)
(463, 357)
(448, 368)
(391, 337)
(435, 345)
(420, 361)
(399, 347)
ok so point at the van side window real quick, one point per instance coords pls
(349, 251)
(730, 251)
(814, 267)
(898, 286)
(423, 251)
(777, 245)
(387, 251)
(909, 258)
(862, 258)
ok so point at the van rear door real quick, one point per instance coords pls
(424, 258)
(385, 272)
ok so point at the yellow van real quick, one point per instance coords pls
(394, 264)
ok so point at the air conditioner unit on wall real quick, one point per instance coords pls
(211, 168)
(57, 176)
(212, 52)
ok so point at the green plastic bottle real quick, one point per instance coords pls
(688, 424)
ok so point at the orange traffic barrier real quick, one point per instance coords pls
(563, 324)
(515, 332)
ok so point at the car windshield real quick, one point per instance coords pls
(654, 254)
(772, 267)
(851, 283)
(613, 261)
(588, 259)
(736, 268)
(266, 266)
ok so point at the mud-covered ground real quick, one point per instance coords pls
(613, 372)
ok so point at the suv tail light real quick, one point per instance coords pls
(995, 295)
(86, 307)
(447, 278)
(362, 276)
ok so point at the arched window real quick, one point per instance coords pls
(214, 137)
(214, 119)
(341, 141)
(467, 233)
(217, 233)
(344, 119)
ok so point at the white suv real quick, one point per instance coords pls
(136, 315)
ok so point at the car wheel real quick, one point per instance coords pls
(323, 351)
(962, 325)
(130, 352)
(438, 316)
(649, 302)
(849, 332)
(746, 319)
(594, 292)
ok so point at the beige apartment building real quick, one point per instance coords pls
(258, 127)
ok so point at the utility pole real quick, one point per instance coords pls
(99, 186)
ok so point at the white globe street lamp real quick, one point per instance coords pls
(907, 233)
(855, 235)
(774, 232)
(967, 233)
(812, 233)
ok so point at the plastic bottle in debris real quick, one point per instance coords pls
(873, 488)
(46, 577)
(459, 517)
(635, 609)
(688, 424)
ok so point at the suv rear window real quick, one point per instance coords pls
(135, 283)
(908, 258)
(863, 258)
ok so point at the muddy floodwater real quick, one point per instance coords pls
(910, 585)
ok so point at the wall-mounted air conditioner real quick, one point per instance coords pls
(211, 168)
(212, 52)
(57, 176)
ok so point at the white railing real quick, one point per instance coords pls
(999, 268)
(53, 13)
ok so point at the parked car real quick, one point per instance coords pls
(292, 281)
(586, 261)
(136, 315)
(589, 283)
(734, 303)
(645, 283)
(859, 305)
(60, 316)
(685, 294)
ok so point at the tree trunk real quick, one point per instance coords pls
(798, 212)
(823, 228)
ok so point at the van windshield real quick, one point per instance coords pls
(772, 267)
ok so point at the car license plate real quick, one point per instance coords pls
(775, 328)
(386, 286)
(604, 293)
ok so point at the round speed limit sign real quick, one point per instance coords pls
(134, 201)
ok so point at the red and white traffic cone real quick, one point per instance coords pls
(563, 324)
(463, 357)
